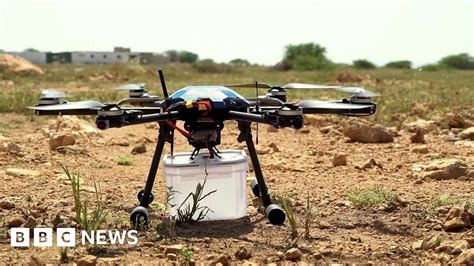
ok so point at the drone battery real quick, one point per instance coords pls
(226, 175)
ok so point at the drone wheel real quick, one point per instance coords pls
(142, 193)
(275, 214)
(139, 217)
(255, 188)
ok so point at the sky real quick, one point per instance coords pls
(418, 30)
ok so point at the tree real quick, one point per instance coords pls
(239, 62)
(402, 64)
(363, 64)
(31, 50)
(459, 61)
(306, 56)
(187, 57)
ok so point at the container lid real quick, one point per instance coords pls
(182, 159)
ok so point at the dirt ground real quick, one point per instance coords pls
(296, 164)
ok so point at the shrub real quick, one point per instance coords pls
(402, 64)
(430, 67)
(460, 61)
(372, 196)
(239, 62)
(187, 57)
(306, 56)
(363, 64)
(209, 66)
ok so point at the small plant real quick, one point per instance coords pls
(170, 192)
(438, 240)
(370, 197)
(441, 201)
(308, 218)
(286, 205)
(186, 215)
(87, 220)
(126, 160)
(63, 255)
(186, 254)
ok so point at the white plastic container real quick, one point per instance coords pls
(227, 175)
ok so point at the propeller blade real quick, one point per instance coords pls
(264, 102)
(69, 108)
(309, 86)
(325, 107)
(250, 85)
(132, 87)
(52, 94)
(358, 91)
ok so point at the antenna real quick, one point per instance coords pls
(256, 108)
(163, 84)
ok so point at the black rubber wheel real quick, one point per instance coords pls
(255, 188)
(140, 196)
(139, 217)
(275, 214)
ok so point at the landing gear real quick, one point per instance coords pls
(274, 212)
(142, 193)
(139, 215)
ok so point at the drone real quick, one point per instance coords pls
(204, 110)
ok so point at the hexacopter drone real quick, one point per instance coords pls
(204, 110)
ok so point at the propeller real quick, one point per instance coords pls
(287, 86)
(316, 106)
(132, 87)
(70, 106)
(52, 94)
(265, 102)
(357, 92)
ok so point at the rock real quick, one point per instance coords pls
(466, 258)
(30, 222)
(274, 147)
(18, 65)
(139, 148)
(11, 148)
(6, 204)
(35, 261)
(458, 218)
(445, 169)
(326, 129)
(88, 260)
(454, 224)
(452, 120)
(18, 172)
(324, 225)
(431, 242)
(367, 134)
(424, 125)
(304, 131)
(467, 133)
(56, 141)
(417, 245)
(172, 256)
(371, 163)
(355, 239)
(221, 259)
(263, 151)
(419, 136)
(243, 253)
(339, 159)
(175, 249)
(293, 254)
(420, 149)
(460, 246)
(14, 221)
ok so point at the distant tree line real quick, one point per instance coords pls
(309, 56)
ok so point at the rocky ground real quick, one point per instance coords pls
(424, 169)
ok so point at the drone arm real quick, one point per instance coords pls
(133, 118)
(246, 117)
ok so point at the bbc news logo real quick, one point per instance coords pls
(66, 237)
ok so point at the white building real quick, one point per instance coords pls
(103, 57)
(35, 57)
